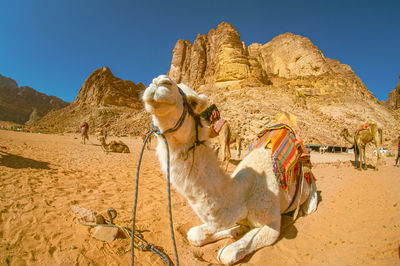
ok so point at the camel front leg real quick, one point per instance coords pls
(364, 161)
(203, 234)
(253, 240)
(357, 157)
(224, 143)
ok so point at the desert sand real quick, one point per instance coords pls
(41, 176)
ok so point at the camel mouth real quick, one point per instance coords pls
(158, 107)
(158, 103)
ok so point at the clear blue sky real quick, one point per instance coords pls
(54, 45)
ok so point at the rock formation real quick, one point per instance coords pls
(101, 88)
(214, 58)
(393, 100)
(220, 58)
(295, 61)
(251, 84)
(104, 101)
(18, 103)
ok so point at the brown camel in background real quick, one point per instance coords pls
(223, 130)
(370, 132)
(226, 137)
(113, 146)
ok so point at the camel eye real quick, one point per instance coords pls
(193, 104)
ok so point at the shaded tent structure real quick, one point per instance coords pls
(331, 148)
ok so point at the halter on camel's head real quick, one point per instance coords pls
(170, 104)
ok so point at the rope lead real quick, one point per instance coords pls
(150, 246)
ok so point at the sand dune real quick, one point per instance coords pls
(41, 176)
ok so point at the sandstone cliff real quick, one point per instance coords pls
(220, 58)
(252, 84)
(18, 103)
(104, 101)
(101, 88)
(393, 101)
(217, 57)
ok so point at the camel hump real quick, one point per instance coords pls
(286, 116)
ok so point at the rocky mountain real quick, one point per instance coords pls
(18, 103)
(103, 101)
(252, 84)
(220, 57)
(249, 84)
(393, 101)
(102, 88)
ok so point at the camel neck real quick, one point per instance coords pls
(205, 185)
(348, 138)
(198, 166)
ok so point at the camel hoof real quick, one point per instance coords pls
(228, 255)
(195, 237)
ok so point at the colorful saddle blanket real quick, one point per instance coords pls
(363, 127)
(287, 148)
(218, 125)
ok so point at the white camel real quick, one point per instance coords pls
(249, 202)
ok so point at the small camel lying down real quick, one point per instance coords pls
(248, 203)
(114, 146)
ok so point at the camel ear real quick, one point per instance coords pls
(197, 103)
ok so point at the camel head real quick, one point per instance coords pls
(344, 132)
(164, 99)
(102, 140)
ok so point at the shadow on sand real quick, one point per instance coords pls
(369, 166)
(19, 162)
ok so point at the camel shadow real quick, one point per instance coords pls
(288, 228)
(369, 166)
(319, 195)
(18, 162)
(288, 231)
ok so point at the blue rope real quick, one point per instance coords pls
(157, 131)
(136, 196)
(169, 203)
